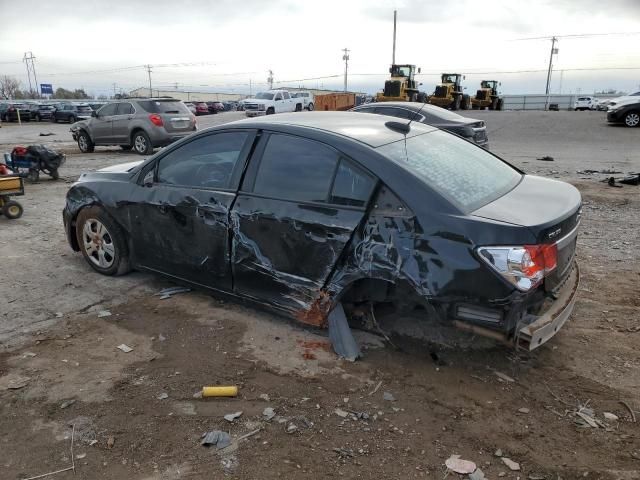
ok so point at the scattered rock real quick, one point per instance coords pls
(163, 396)
(477, 475)
(111, 442)
(80, 456)
(455, 463)
(498, 453)
(162, 338)
(610, 416)
(67, 403)
(124, 348)
(230, 417)
(523, 410)
(29, 355)
(104, 313)
(501, 474)
(268, 413)
(13, 381)
(341, 413)
(511, 464)
(292, 427)
(265, 397)
(388, 396)
(216, 437)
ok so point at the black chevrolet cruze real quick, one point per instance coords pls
(307, 211)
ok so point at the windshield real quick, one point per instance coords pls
(264, 96)
(465, 174)
(398, 71)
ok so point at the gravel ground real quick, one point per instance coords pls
(445, 401)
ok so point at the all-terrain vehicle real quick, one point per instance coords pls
(449, 93)
(487, 96)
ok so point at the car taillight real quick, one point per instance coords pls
(156, 119)
(525, 267)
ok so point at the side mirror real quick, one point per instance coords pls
(147, 181)
(94, 114)
(420, 84)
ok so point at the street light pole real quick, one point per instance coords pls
(345, 57)
(554, 50)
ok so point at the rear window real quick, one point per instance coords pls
(163, 106)
(465, 174)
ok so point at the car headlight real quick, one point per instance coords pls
(261, 107)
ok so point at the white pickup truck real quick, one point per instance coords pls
(270, 102)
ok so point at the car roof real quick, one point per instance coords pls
(367, 128)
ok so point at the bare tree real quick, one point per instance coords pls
(9, 86)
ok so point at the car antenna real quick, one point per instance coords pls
(405, 128)
(426, 100)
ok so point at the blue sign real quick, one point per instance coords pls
(46, 89)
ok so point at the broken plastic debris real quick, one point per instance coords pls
(80, 456)
(104, 313)
(268, 413)
(291, 428)
(340, 335)
(610, 416)
(124, 348)
(504, 377)
(67, 403)
(455, 463)
(388, 396)
(341, 413)
(511, 464)
(162, 396)
(224, 391)
(216, 437)
(230, 417)
(265, 397)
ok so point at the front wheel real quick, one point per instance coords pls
(84, 142)
(270, 111)
(456, 103)
(12, 210)
(72, 119)
(142, 143)
(632, 119)
(102, 242)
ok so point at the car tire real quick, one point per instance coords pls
(632, 119)
(72, 119)
(12, 210)
(298, 107)
(126, 148)
(142, 143)
(270, 111)
(310, 107)
(102, 242)
(466, 102)
(84, 142)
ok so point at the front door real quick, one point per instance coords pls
(101, 124)
(120, 123)
(181, 219)
(298, 207)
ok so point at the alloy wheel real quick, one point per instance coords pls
(98, 243)
(632, 119)
(140, 144)
(82, 143)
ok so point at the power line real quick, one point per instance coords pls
(577, 35)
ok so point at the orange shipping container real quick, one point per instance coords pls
(335, 101)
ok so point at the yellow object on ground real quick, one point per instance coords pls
(230, 391)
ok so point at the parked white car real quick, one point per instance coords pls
(270, 102)
(308, 100)
(585, 103)
(191, 107)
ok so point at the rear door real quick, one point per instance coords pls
(180, 221)
(120, 126)
(298, 207)
(102, 123)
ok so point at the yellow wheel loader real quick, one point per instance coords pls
(449, 93)
(402, 86)
(487, 96)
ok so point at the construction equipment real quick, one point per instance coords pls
(449, 93)
(402, 86)
(11, 186)
(487, 96)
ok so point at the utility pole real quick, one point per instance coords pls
(31, 70)
(250, 87)
(554, 51)
(148, 67)
(395, 16)
(114, 89)
(270, 79)
(345, 57)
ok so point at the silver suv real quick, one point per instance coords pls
(141, 124)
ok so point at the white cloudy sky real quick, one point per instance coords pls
(235, 41)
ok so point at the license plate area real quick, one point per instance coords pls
(180, 123)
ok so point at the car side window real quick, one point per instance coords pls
(352, 185)
(394, 112)
(286, 95)
(278, 96)
(206, 162)
(294, 168)
(124, 109)
(107, 110)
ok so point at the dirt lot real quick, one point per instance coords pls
(134, 415)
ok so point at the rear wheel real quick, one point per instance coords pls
(310, 107)
(494, 104)
(466, 102)
(12, 210)
(632, 119)
(142, 143)
(500, 105)
(54, 119)
(102, 242)
(72, 119)
(84, 142)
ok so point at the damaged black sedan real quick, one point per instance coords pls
(313, 213)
